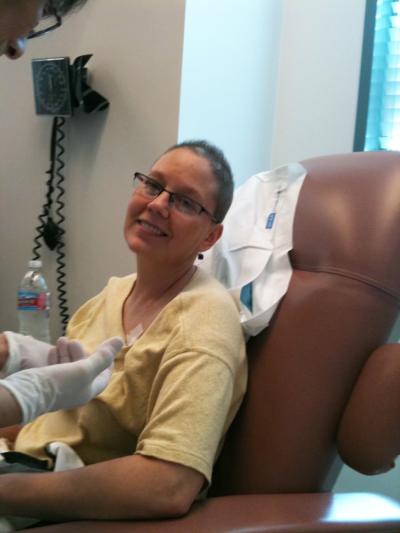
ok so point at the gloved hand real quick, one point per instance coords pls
(63, 386)
(25, 351)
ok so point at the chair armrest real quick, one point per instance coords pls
(368, 439)
(270, 513)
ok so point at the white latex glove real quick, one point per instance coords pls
(25, 351)
(63, 386)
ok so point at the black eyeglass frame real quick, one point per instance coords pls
(139, 177)
(33, 34)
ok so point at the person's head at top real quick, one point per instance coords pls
(177, 207)
(26, 19)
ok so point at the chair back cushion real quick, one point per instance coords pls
(342, 302)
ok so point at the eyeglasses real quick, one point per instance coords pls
(151, 188)
(47, 24)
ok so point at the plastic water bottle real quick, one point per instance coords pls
(34, 303)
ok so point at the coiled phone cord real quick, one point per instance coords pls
(49, 230)
(61, 283)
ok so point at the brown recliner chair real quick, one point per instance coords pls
(322, 384)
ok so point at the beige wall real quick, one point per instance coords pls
(137, 47)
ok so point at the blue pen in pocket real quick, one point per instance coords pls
(271, 217)
(270, 220)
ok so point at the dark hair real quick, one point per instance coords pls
(62, 7)
(220, 168)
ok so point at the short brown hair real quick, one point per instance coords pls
(220, 168)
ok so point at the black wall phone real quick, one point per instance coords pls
(59, 89)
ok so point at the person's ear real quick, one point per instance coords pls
(212, 237)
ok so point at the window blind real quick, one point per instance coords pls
(383, 120)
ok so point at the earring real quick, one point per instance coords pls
(200, 257)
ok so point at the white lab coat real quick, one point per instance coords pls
(256, 241)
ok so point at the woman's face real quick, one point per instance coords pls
(17, 19)
(155, 229)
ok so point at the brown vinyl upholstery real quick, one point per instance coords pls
(323, 386)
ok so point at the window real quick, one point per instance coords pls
(378, 113)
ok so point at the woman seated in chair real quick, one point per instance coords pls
(149, 441)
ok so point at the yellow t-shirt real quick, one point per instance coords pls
(173, 393)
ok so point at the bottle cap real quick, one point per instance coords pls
(35, 263)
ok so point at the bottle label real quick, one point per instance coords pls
(32, 301)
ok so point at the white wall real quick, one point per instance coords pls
(229, 72)
(271, 81)
(318, 79)
(137, 47)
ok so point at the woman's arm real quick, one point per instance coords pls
(128, 488)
